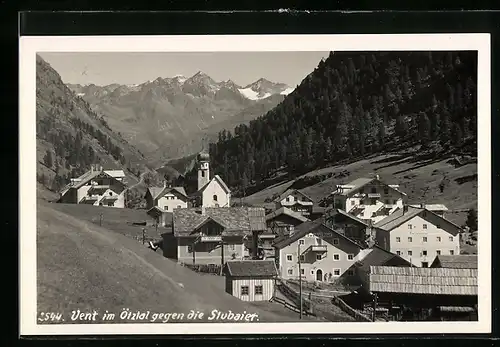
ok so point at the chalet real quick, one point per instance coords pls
(368, 198)
(422, 291)
(210, 235)
(296, 201)
(418, 235)
(324, 254)
(212, 192)
(460, 261)
(438, 209)
(166, 198)
(119, 175)
(160, 216)
(359, 230)
(251, 280)
(283, 220)
(95, 187)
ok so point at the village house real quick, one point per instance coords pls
(423, 292)
(251, 280)
(212, 192)
(460, 261)
(368, 198)
(359, 230)
(167, 198)
(418, 235)
(296, 201)
(95, 187)
(211, 235)
(325, 255)
(283, 220)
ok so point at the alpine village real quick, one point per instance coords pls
(352, 197)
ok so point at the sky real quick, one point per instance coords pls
(102, 68)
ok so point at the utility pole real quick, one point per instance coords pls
(374, 306)
(221, 254)
(300, 279)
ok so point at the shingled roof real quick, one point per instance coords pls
(232, 219)
(380, 257)
(251, 268)
(288, 212)
(158, 192)
(462, 261)
(291, 192)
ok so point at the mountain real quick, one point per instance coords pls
(173, 117)
(70, 135)
(353, 105)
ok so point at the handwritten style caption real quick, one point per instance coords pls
(127, 315)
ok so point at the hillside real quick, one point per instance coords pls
(173, 117)
(70, 136)
(83, 266)
(354, 105)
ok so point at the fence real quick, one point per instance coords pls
(350, 311)
(213, 269)
(289, 306)
(293, 295)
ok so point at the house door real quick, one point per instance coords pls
(319, 275)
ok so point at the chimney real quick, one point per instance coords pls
(422, 205)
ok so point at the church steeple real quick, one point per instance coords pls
(203, 160)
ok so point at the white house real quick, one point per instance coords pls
(418, 235)
(369, 198)
(251, 280)
(325, 254)
(95, 187)
(211, 192)
(167, 198)
(296, 201)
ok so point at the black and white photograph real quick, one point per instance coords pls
(211, 184)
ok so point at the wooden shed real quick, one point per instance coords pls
(251, 280)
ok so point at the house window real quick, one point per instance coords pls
(111, 203)
(318, 256)
(259, 290)
(410, 239)
(398, 252)
(202, 173)
(244, 290)
(386, 190)
(350, 272)
(424, 253)
(288, 199)
(361, 202)
(215, 197)
(438, 239)
(410, 253)
(424, 239)
(409, 226)
(336, 257)
(165, 208)
(301, 242)
(350, 256)
(178, 206)
(302, 271)
(290, 272)
(190, 249)
(438, 252)
(424, 226)
(289, 257)
(450, 238)
(398, 239)
(302, 258)
(110, 193)
(425, 264)
(336, 272)
(452, 252)
(352, 202)
(335, 241)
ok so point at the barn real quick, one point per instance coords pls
(251, 280)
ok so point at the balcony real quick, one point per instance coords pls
(210, 239)
(316, 249)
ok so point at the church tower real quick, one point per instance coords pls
(203, 169)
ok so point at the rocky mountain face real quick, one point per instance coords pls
(174, 117)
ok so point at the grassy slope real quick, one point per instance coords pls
(418, 180)
(83, 266)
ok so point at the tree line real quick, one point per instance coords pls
(354, 104)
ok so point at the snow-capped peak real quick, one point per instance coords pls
(263, 88)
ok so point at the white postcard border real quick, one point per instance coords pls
(30, 45)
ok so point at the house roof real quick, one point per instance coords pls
(415, 280)
(306, 228)
(289, 192)
(462, 261)
(156, 209)
(232, 219)
(399, 217)
(288, 212)
(361, 182)
(157, 192)
(431, 207)
(115, 173)
(350, 216)
(218, 179)
(378, 257)
(251, 268)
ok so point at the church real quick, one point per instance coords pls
(212, 192)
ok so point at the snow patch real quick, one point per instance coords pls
(253, 95)
(287, 91)
(180, 78)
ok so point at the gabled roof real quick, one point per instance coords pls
(290, 192)
(308, 227)
(251, 268)
(350, 216)
(219, 180)
(399, 217)
(232, 219)
(462, 261)
(415, 280)
(379, 257)
(115, 173)
(288, 212)
(89, 175)
(359, 183)
(431, 207)
(158, 192)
